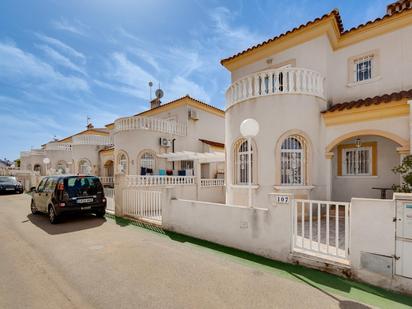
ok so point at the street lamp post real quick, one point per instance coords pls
(249, 128)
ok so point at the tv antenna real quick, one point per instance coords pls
(150, 86)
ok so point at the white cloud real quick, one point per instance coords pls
(228, 35)
(74, 27)
(181, 86)
(62, 46)
(60, 59)
(25, 67)
(127, 77)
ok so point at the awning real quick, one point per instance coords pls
(202, 157)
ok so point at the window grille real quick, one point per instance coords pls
(357, 161)
(123, 163)
(363, 68)
(293, 161)
(186, 164)
(242, 159)
(147, 160)
(84, 167)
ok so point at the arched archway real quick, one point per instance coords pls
(404, 144)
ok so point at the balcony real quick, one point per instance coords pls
(275, 82)
(101, 140)
(150, 124)
(37, 152)
(59, 146)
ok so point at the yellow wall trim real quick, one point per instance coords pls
(183, 101)
(393, 137)
(366, 113)
(374, 147)
(327, 26)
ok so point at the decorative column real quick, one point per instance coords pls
(328, 174)
(198, 175)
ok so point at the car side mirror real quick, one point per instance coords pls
(33, 189)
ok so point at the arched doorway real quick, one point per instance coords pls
(109, 168)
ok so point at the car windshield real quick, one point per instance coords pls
(7, 179)
(82, 186)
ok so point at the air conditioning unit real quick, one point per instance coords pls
(164, 142)
(193, 114)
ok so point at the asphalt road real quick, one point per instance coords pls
(86, 262)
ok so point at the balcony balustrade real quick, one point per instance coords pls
(103, 140)
(59, 146)
(151, 124)
(274, 82)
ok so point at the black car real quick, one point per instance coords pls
(9, 184)
(59, 195)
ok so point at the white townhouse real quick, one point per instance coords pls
(333, 107)
(78, 153)
(179, 143)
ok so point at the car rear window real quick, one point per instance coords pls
(8, 179)
(82, 186)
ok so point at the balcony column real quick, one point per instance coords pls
(197, 174)
(328, 175)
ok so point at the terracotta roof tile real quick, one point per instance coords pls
(334, 13)
(181, 98)
(385, 98)
(212, 143)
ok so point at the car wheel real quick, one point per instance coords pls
(33, 208)
(100, 213)
(52, 216)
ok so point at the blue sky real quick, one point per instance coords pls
(61, 61)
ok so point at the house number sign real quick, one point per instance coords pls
(282, 199)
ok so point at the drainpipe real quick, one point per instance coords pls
(173, 150)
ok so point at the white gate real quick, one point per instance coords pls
(109, 195)
(143, 204)
(321, 228)
(403, 265)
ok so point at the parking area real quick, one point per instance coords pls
(104, 263)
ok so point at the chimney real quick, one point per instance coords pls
(155, 103)
(90, 126)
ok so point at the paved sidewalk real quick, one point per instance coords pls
(105, 263)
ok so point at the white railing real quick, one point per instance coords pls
(138, 180)
(59, 146)
(109, 195)
(37, 152)
(276, 81)
(321, 228)
(107, 180)
(151, 124)
(143, 204)
(103, 140)
(212, 182)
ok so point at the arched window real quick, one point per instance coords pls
(241, 162)
(293, 161)
(147, 161)
(122, 163)
(85, 167)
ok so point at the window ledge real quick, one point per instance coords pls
(354, 84)
(244, 186)
(293, 187)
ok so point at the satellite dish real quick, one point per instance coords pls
(46, 160)
(150, 84)
(159, 93)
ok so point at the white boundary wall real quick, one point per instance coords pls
(265, 232)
